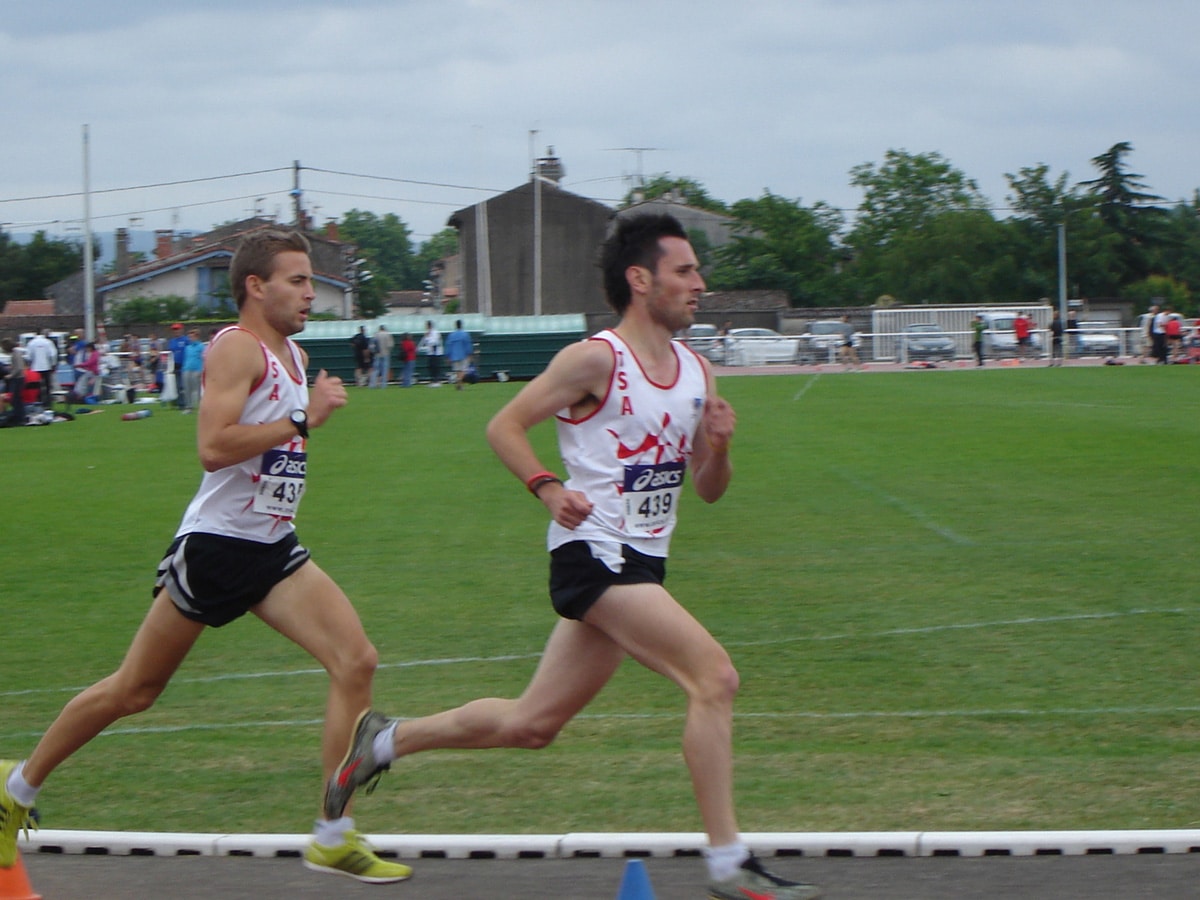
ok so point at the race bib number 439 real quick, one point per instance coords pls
(651, 494)
(281, 483)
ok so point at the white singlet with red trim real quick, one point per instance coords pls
(630, 454)
(256, 499)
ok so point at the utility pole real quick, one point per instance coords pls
(89, 274)
(297, 211)
(537, 226)
(1062, 272)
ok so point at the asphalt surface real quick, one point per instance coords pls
(1150, 876)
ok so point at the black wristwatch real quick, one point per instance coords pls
(299, 418)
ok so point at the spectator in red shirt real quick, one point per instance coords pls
(1022, 327)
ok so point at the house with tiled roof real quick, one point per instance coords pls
(196, 268)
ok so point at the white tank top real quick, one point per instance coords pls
(630, 454)
(257, 499)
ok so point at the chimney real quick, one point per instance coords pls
(550, 167)
(331, 229)
(164, 239)
(121, 263)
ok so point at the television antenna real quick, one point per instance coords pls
(638, 179)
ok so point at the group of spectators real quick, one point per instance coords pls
(1165, 336)
(31, 373)
(373, 356)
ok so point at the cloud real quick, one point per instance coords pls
(785, 95)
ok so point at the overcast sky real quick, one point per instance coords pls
(433, 101)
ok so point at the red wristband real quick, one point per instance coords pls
(537, 480)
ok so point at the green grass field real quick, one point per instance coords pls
(957, 600)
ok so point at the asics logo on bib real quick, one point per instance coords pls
(648, 478)
(281, 462)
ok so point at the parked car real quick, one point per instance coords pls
(821, 342)
(999, 338)
(1095, 339)
(707, 341)
(925, 340)
(759, 346)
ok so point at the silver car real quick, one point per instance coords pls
(707, 341)
(1095, 339)
(823, 340)
(925, 340)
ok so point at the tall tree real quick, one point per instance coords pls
(1039, 206)
(905, 192)
(780, 245)
(385, 242)
(1127, 210)
(903, 195)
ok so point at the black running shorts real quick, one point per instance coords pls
(215, 579)
(577, 578)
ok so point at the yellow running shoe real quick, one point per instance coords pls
(354, 858)
(13, 818)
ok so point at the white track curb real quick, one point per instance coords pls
(565, 846)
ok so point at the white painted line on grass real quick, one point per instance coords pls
(804, 390)
(904, 506)
(790, 639)
(962, 626)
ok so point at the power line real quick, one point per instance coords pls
(260, 195)
(457, 187)
(310, 192)
(140, 187)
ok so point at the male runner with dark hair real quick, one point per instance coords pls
(635, 411)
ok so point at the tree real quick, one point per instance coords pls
(780, 245)
(1126, 210)
(1039, 206)
(26, 270)
(904, 195)
(1178, 253)
(386, 246)
(690, 191)
(439, 246)
(959, 256)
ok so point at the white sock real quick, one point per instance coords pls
(20, 789)
(384, 746)
(723, 862)
(332, 832)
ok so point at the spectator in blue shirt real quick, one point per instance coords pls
(459, 349)
(193, 368)
(176, 345)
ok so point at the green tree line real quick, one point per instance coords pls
(923, 233)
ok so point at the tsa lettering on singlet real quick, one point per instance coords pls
(651, 494)
(281, 482)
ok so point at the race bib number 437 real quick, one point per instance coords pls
(651, 494)
(281, 483)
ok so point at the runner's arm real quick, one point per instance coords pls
(577, 373)
(711, 467)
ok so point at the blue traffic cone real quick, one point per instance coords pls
(635, 883)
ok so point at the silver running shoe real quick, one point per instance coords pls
(358, 767)
(753, 882)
